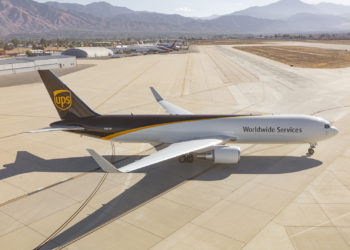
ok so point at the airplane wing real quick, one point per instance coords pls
(51, 129)
(169, 107)
(174, 150)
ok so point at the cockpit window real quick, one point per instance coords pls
(327, 126)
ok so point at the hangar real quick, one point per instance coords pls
(26, 64)
(88, 52)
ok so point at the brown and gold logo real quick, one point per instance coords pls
(63, 99)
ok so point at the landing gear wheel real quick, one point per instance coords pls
(311, 151)
(186, 158)
(189, 158)
(182, 158)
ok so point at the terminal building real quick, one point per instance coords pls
(26, 64)
(88, 52)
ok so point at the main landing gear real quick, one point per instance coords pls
(186, 158)
(311, 150)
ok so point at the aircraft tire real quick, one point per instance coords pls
(189, 158)
(182, 159)
(311, 151)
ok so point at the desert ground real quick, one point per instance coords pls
(303, 57)
(275, 198)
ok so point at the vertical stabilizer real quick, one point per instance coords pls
(68, 105)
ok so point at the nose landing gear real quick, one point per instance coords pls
(311, 150)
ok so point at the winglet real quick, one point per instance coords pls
(156, 95)
(105, 165)
(169, 107)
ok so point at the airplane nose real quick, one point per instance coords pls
(334, 130)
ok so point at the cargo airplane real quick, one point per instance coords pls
(187, 135)
(141, 48)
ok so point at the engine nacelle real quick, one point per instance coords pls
(223, 155)
(226, 154)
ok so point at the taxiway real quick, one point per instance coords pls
(275, 198)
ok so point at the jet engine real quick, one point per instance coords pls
(223, 155)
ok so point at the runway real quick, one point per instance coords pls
(275, 198)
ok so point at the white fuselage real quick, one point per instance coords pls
(245, 129)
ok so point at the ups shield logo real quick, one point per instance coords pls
(63, 99)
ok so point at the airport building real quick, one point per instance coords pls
(26, 64)
(88, 52)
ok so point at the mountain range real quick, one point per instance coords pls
(25, 18)
(285, 9)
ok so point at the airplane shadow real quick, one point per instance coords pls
(26, 162)
(158, 179)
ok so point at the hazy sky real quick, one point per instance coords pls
(195, 8)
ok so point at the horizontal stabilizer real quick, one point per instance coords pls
(62, 128)
(105, 165)
(169, 107)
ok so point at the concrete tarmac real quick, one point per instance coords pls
(33, 76)
(275, 198)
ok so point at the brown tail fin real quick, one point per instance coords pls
(68, 105)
